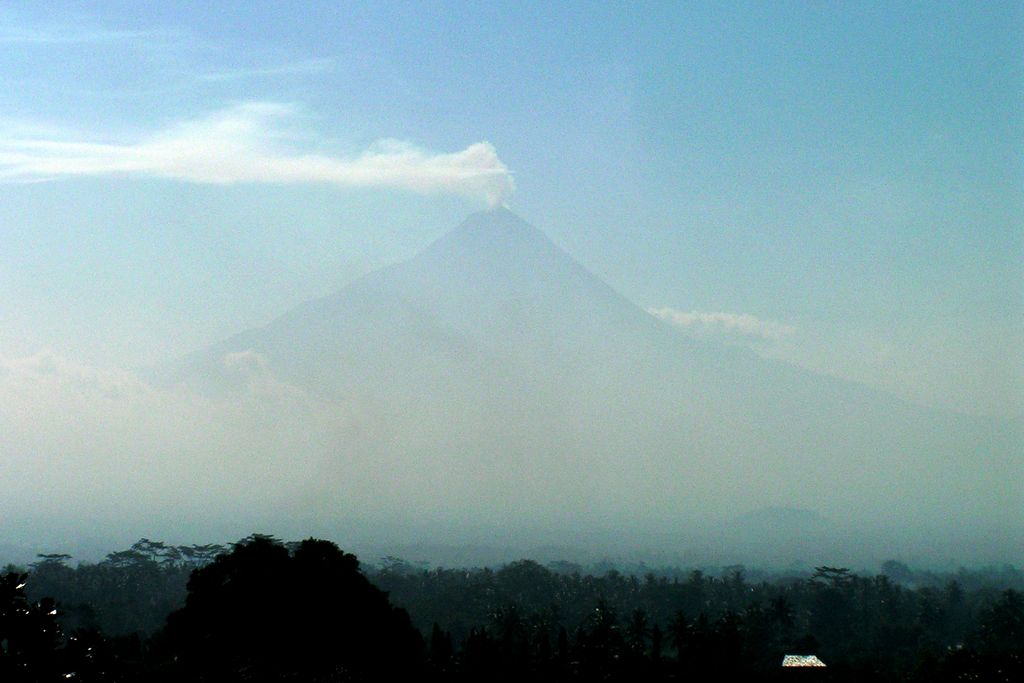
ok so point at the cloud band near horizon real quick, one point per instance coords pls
(245, 144)
(719, 322)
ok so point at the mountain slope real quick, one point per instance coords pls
(493, 376)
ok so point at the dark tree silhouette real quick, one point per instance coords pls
(29, 634)
(262, 613)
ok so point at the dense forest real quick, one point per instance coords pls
(264, 610)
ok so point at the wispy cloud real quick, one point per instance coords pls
(305, 66)
(16, 34)
(250, 143)
(704, 322)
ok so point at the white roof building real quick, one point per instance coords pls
(801, 660)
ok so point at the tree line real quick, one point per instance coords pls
(264, 610)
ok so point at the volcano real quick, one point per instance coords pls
(494, 376)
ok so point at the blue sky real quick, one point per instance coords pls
(839, 186)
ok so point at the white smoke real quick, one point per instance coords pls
(249, 143)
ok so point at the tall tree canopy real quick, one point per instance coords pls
(266, 613)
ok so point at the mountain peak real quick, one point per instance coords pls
(496, 236)
(498, 221)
